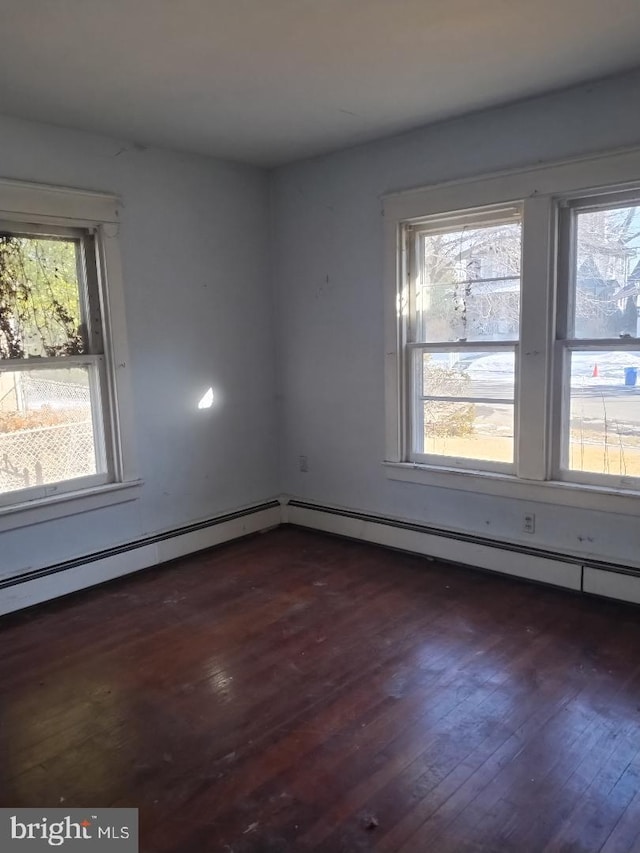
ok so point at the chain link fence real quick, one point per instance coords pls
(38, 391)
(30, 457)
(53, 452)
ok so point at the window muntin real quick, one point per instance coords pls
(551, 197)
(53, 433)
(598, 346)
(464, 328)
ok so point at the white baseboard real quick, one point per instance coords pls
(391, 533)
(612, 584)
(26, 592)
(208, 537)
(442, 547)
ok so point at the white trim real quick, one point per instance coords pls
(41, 493)
(51, 507)
(536, 335)
(208, 537)
(98, 213)
(612, 584)
(505, 560)
(394, 271)
(517, 564)
(119, 388)
(64, 362)
(623, 168)
(556, 492)
(22, 200)
(542, 188)
(47, 588)
(463, 346)
(94, 572)
(461, 463)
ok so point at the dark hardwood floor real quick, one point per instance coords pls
(294, 692)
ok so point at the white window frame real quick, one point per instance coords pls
(542, 190)
(567, 343)
(47, 209)
(411, 234)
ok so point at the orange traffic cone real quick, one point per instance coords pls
(595, 369)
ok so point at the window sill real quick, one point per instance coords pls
(575, 495)
(69, 503)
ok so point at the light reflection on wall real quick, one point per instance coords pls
(206, 401)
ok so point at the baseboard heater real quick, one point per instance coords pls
(595, 577)
(43, 584)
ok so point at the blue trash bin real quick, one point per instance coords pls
(630, 375)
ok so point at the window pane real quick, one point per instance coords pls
(469, 430)
(607, 273)
(46, 426)
(39, 297)
(469, 286)
(469, 374)
(604, 413)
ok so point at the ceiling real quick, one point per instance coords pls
(270, 81)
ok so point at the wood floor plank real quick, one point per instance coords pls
(293, 692)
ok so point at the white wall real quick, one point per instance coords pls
(195, 249)
(328, 285)
(194, 243)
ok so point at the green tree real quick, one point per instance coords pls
(39, 298)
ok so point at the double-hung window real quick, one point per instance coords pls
(512, 331)
(598, 348)
(62, 347)
(462, 336)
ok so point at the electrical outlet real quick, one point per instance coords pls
(303, 464)
(529, 522)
